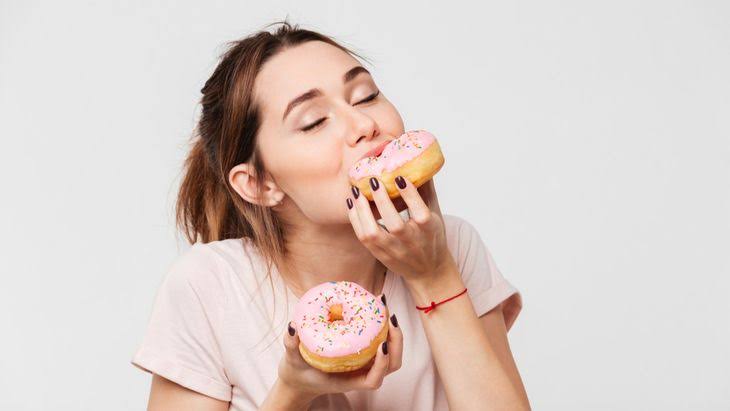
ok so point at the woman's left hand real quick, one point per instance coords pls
(415, 249)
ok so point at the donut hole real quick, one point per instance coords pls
(335, 312)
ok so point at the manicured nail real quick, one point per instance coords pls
(383, 299)
(374, 183)
(349, 203)
(385, 348)
(291, 330)
(401, 182)
(355, 191)
(394, 321)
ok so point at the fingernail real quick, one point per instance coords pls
(394, 321)
(401, 182)
(374, 183)
(385, 348)
(383, 299)
(291, 330)
(355, 191)
(349, 203)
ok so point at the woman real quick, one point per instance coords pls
(267, 198)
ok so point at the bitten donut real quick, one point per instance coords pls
(415, 155)
(340, 326)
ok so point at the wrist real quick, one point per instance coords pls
(444, 283)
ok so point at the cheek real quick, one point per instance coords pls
(324, 158)
(317, 184)
(389, 119)
(311, 163)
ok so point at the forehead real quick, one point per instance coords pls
(295, 70)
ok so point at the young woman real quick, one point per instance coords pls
(265, 199)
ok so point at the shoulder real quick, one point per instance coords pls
(467, 246)
(210, 268)
(226, 270)
(453, 223)
(196, 263)
(460, 234)
(485, 282)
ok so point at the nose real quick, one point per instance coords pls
(363, 127)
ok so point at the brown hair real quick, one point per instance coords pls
(208, 208)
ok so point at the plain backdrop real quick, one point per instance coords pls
(589, 143)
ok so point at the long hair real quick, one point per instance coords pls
(207, 207)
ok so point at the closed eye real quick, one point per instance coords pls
(369, 98)
(321, 120)
(315, 124)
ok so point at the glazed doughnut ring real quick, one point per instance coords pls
(340, 326)
(415, 155)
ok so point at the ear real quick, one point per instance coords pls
(243, 179)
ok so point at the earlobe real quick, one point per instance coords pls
(242, 179)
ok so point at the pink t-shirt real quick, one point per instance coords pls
(216, 325)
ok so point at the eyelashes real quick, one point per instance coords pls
(314, 125)
(369, 98)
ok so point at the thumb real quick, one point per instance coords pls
(291, 343)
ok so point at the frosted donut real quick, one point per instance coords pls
(415, 155)
(340, 326)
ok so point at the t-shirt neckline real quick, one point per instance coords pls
(387, 285)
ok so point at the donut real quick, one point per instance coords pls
(340, 326)
(415, 155)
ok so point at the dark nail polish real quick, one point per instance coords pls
(291, 330)
(374, 183)
(382, 298)
(401, 182)
(385, 348)
(355, 191)
(349, 203)
(394, 321)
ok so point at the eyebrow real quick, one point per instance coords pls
(310, 94)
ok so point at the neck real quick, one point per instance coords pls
(317, 254)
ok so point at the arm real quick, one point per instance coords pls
(493, 323)
(166, 395)
(471, 354)
(282, 397)
(467, 358)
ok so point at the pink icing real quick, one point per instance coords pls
(363, 316)
(400, 151)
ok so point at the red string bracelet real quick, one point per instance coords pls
(433, 305)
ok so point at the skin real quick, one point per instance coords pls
(307, 184)
(308, 170)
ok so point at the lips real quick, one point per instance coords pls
(377, 150)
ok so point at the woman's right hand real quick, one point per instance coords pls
(310, 382)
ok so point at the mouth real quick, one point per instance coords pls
(377, 150)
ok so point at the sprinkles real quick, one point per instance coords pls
(353, 331)
(398, 152)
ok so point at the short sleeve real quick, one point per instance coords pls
(485, 284)
(180, 342)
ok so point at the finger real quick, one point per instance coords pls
(395, 345)
(391, 219)
(375, 238)
(357, 223)
(374, 378)
(368, 226)
(417, 208)
(291, 344)
(352, 215)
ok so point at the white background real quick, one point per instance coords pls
(588, 142)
